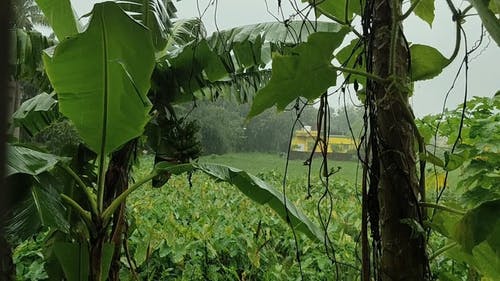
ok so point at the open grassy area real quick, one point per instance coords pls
(256, 163)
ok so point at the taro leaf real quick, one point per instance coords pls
(255, 189)
(22, 160)
(426, 62)
(488, 17)
(263, 193)
(102, 77)
(424, 10)
(60, 16)
(306, 72)
(478, 225)
(36, 113)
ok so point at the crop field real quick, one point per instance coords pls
(200, 229)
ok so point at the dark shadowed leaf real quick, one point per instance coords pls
(41, 206)
(478, 225)
(28, 161)
(36, 113)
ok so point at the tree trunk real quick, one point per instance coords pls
(403, 254)
(14, 97)
(7, 269)
(96, 253)
(117, 177)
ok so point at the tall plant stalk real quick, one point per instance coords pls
(403, 255)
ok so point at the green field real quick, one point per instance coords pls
(257, 163)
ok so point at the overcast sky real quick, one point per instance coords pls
(484, 77)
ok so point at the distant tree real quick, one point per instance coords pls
(26, 14)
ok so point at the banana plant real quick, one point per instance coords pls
(101, 85)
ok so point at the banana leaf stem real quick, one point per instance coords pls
(83, 187)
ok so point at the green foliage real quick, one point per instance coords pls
(22, 160)
(221, 127)
(478, 190)
(60, 138)
(29, 260)
(155, 15)
(336, 10)
(61, 17)
(488, 17)
(108, 78)
(306, 71)
(264, 194)
(210, 231)
(424, 10)
(36, 114)
(426, 62)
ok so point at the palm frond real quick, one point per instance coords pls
(42, 206)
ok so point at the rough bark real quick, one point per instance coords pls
(403, 254)
(7, 269)
(96, 253)
(117, 177)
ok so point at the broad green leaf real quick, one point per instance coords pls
(154, 14)
(483, 258)
(488, 17)
(494, 6)
(478, 225)
(61, 17)
(433, 159)
(74, 260)
(36, 113)
(336, 9)
(260, 39)
(263, 193)
(426, 62)
(425, 10)
(351, 56)
(101, 77)
(22, 160)
(453, 161)
(306, 72)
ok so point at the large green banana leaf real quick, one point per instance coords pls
(37, 199)
(154, 14)
(101, 77)
(36, 113)
(22, 160)
(61, 17)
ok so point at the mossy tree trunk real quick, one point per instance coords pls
(403, 254)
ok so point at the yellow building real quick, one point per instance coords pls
(338, 146)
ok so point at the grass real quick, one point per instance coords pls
(257, 163)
